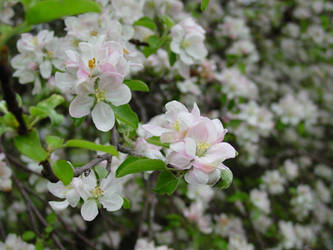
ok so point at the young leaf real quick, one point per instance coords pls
(156, 141)
(126, 204)
(30, 146)
(64, 171)
(54, 142)
(226, 178)
(204, 4)
(166, 183)
(125, 114)
(146, 22)
(135, 164)
(101, 171)
(136, 85)
(48, 10)
(46, 108)
(28, 235)
(91, 146)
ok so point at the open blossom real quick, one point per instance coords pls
(68, 193)
(274, 182)
(5, 174)
(15, 242)
(36, 56)
(143, 244)
(260, 200)
(188, 41)
(101, 62)
(195, 213)
(94, 193)
(196, 143)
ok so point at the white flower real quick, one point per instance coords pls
(109, 89)
(188, 41)
(61, 191)
(15, 242)
(260, 200)
(273, 182)
(94, 194)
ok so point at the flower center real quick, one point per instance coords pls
(126, 52)
(96, 192)
(176, 126)
(202, 148)
(185, 44)
(93, 33)
(100, 95)
(92, 63)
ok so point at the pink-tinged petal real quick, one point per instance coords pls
(81, 106)
(190, 146)
(221, 131)
(175, 107)
(59, 205)
(82, 74)
(154, 130)
(179, 160)
(184, 70)
(178, 146)
(214, 177)
(199, 132)
(103, 116)
(170, 137)
(195, 111)
(195, 176)
(111, 201)
(81, 188)
(205, 166)
(220, 152)
(89, 210)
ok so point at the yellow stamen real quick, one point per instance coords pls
(202, 148)
(93, 33)
(126, 52)
(100, 95)
(176, 126)
(96, 192)
(92, 63)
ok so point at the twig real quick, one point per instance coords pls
(153, 202)
(145, 210)
(138, 43)
(91, 164)
(36, 212)
(126, 150)
(142, 108)
(13, 160)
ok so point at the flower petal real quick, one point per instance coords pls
(103, 116)
(89, 210)
(111, 201)
(59, 205)
(81, 106)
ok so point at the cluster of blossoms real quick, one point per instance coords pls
(264, 68)
(196, 142)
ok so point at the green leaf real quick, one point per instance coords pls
(51, 218)
(172, 57)
(125, 114)
(238, 196)
(204, 4)
(135, 164)
(101, 171)
(169, 23)
(64, 171)
(48, 10)
(136, 85)
(145, 22)
(91, 146)
(126, 204)
(28, 235)
(30, 146)
(54, 142)
(39, 244)
(46, 108)
(166, 183)
(156, 141)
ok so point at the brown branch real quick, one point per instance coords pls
(36, 212)
(91, 164)
(13, 160)
(138, 42)
(47, 171)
